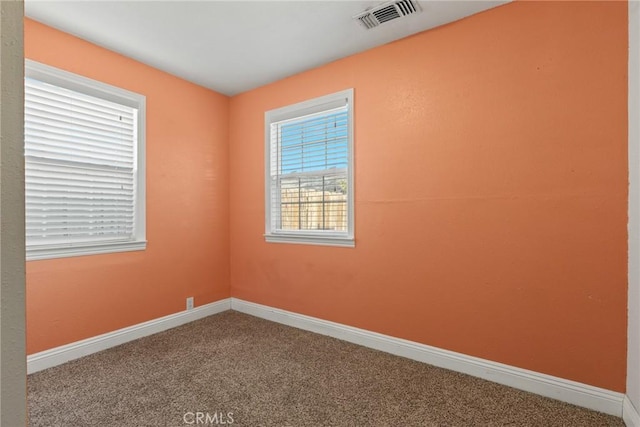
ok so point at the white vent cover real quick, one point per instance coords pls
(386, 12)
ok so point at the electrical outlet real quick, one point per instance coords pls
(190, 303)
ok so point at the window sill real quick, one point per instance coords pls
(49, 252)
(347, 242)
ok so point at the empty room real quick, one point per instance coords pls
(320, 213)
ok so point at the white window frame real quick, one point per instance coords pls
(312, 237)
(71, 81)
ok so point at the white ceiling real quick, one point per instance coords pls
(235, 46)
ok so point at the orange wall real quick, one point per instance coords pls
(491, 192)
(187, 207)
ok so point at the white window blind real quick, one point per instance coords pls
(309, 171)
(81, 164)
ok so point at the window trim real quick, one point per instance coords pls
(312, 106)
(75, 82)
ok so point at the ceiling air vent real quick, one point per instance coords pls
(386, 12)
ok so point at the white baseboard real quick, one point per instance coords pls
(630, 413)
(561, 389)
(59, 355)
(576, 393)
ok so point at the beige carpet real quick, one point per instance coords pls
(243, 371)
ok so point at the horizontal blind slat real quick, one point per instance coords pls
(75, 221)
(59, 198)
(46, 137)
(44, 100)
(60, 130)
(66, 153)
(95, 117)
(87, 186)
(77, 120)
(88, 205)
(53, 216)
(70, 236)
(59, 93)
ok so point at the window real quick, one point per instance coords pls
(309, 172)
(84, 165)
